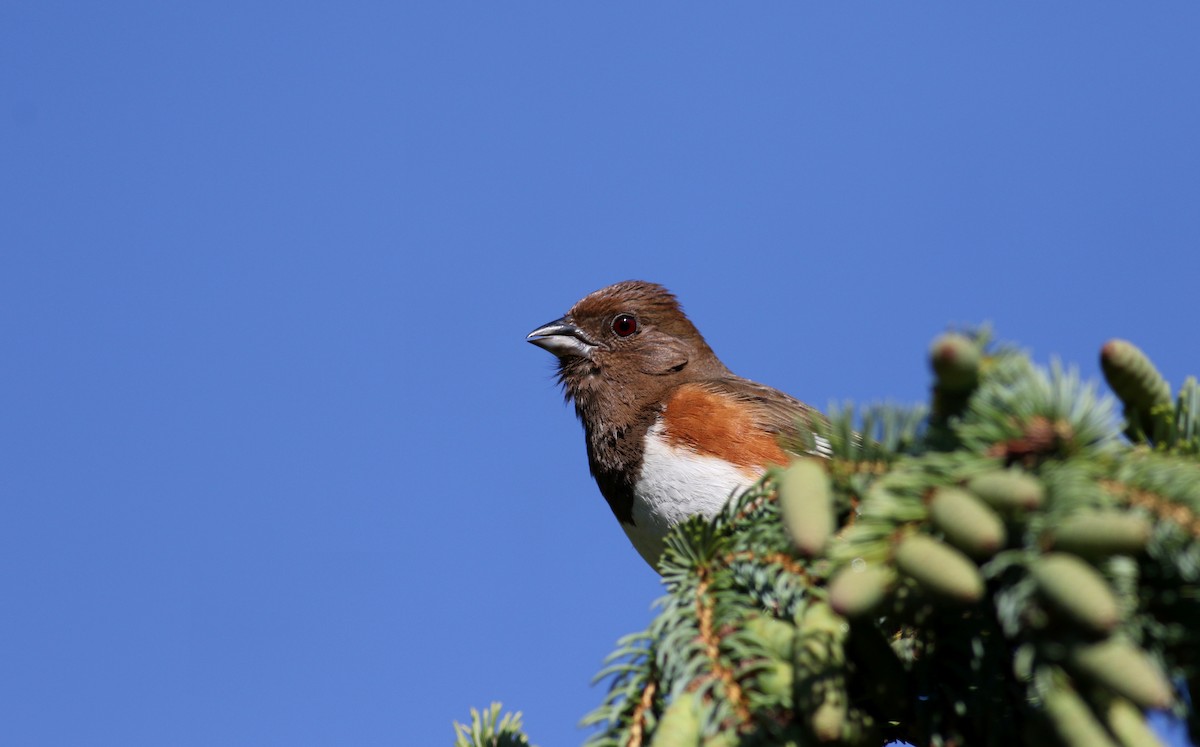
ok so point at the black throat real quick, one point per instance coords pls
(615, 457)
(615, 423)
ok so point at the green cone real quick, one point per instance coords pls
(776, 680)
(806, 498)
(1101, 533)
(854, 592)
(1125, 669)
(1008, 490)
(955, 361)
(968, 523)
(829, 719)
(1135, 380)
(1073, 721)
(1076, 590)
(776, 636)
(939, 569)
(1129, 725)
(679, 725)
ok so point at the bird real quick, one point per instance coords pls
(670, 431)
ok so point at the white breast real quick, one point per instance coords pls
(676, 483)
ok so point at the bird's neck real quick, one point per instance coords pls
(615, 422)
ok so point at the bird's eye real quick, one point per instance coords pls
(624, 325)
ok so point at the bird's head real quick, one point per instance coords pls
(629, 339)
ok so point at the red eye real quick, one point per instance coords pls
(624, 325)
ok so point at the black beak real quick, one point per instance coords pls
(562, 338)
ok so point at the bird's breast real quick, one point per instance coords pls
(676, 482)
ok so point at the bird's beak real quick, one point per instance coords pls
(563, 339)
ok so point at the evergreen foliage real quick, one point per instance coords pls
(1001, 569)
(489, 729)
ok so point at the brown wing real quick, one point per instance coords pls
(775, 411)
(736, 419)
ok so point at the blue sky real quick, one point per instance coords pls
(279, 467)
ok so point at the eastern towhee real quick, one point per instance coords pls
(671, 432)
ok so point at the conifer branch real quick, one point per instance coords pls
(1010, 564)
